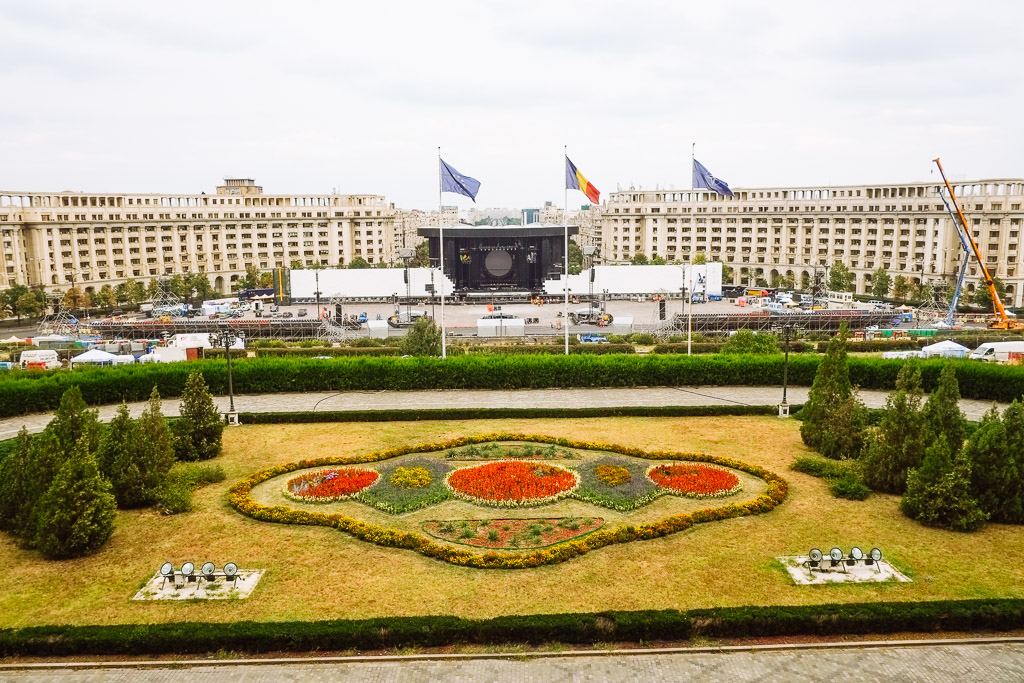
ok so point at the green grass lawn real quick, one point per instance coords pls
(319, 573)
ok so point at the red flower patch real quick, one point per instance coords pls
(330, 485)
(512, 482)
(695, 480)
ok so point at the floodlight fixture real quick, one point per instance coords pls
(231, 571)
(208, 570)
(875, 554)
(836, 555)
(856, 553)
(188, 571)
(167, 573)
(815, 555)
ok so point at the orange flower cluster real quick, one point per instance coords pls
(240, 497)
(694, 480)
(512, 483)
(327, 486)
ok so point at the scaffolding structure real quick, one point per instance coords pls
(62, 322)
(721, 324)
(164, 301)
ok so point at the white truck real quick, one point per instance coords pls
(40, 359)
(999, 352)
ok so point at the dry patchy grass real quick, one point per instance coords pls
(317, 573)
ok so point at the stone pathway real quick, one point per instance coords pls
(934, 663)
(518, 398)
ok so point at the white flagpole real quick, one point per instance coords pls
(693, 165)
(440, 241)
(565, 222)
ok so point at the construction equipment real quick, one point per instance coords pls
(947, 322)
(1003, 321)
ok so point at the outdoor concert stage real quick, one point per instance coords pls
(486, 259)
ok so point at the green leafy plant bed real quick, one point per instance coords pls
(512, 534)
(501, 451)
(608, 475)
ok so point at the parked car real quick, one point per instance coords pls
(303, 312)
(593, 339)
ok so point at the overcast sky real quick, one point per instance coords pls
(356, 96)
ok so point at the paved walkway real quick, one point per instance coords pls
(992, 663)
(519, 398)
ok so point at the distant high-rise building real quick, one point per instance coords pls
(51, 239)
(786, 234)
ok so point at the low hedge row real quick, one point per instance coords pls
(306, 352)
(412, 415)
(34, 392)
(546, 349)
(716, 346)
(535, 629)
(240, 498)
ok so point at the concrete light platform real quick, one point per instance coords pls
(158, 589)
(857, 573)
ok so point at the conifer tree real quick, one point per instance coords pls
(831, 406)
(136, 455)
(898, 443)
(16, 487)
(72, 421)
(197, 433)
(76, 514)
(995, 464)
(942, 415)
(938, 492)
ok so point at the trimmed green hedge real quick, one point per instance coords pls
(309, 351)
(535, 629)
(34, 392)
(547, 349)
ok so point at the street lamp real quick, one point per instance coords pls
(227, 338)
(316, 274)
(687, 291)
(787, 330)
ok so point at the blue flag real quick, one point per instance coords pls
(453, 181)
(703, 180)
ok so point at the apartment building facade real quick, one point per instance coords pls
(772, 233)
(54, 239)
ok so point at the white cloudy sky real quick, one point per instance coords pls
(310, 96)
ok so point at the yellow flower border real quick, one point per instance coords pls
(240, 498)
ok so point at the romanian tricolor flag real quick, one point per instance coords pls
(574, 180)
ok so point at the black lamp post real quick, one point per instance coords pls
(227, 339)
(787, 330)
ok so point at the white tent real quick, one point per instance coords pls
(95, 356)
(13, 339)
(947, 348)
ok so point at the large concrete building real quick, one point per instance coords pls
(53, 239)
(773, 233)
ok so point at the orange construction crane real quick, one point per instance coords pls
(1002, 321)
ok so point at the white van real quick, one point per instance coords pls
(40, 359)
(999, 352)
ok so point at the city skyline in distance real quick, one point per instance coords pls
(129, 98)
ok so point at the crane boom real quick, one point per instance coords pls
(1004, 320)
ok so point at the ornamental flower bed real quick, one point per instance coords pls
(603, 482)
(328, 486)
(240, 497)
(512, 483)
(396, 493)
(695, 480)
(512, 534)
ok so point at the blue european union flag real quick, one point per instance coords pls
(453, 181)
(703, 180)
